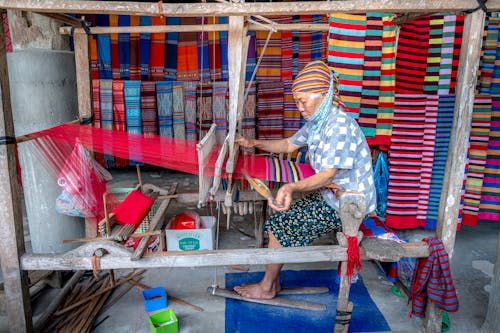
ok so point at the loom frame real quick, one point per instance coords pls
(12, 253)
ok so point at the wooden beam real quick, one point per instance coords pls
(457, 151)
(11, 222)
(82, 62)
(63, 18)
(119, 257)
(244, 9)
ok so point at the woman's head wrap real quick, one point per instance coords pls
(313, 78)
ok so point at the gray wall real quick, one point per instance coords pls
(43, 94)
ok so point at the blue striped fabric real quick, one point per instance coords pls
(219, 107)
(124, 47)
(178, 110)
(145, 45)
(203, 55)
(164, 103)
(317, 42)
(190, 109)
(103, 49)
(295, 47)
(446, 106)
(223, 52)
(132, 92)
(171, 40)
(107, 115)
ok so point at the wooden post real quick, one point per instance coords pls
(11, 221)
(457, 151)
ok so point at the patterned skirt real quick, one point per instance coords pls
(307, 219)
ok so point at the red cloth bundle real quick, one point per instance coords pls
(133, 209)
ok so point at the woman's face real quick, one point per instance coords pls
(307, 102)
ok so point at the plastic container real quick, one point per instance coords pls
(154, 299)
(163, 321)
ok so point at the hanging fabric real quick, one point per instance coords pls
(381, 179)
(165, 107)
(124, 48)
(145, 45)
(171, 41)
(135, 64)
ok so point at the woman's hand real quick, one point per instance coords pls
(244, 142)
(283, 198)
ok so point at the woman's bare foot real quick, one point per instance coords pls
(257, 291)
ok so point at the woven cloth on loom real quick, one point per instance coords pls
(124, 47)
(489, 207)
(115, 52)
(106, 97)
(457, 44)
(135, 63)
(270, 110)
(431, 110)
(219, 108)
(431, 80)
(203, 51)
(119, 117)
(478, 148)
(204, 106)
(446, 54)
(248, 120)
(148, 108)
(446, 106)
(489, 54)
(223, 51)
(214, 51)
(145, 45)
(164, 103)
(94, 62)
(190, 109)
(171, 40)
(387, 82)
(291, 114)
(346, 47)
(132, 92)
(411, 58)
(187, 53)
(270, 66)
(157, 55)
(371, 74)
(178, 110)
(405, 160)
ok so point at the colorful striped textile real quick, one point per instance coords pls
(223, 51)
(371, 74)
(346, 47)
(190, 109)
(432, 281)
(103, 49)
(431, 110)
(248, 122)
(145, 46)
(164, 103)
(214, 51)
(204, 107)
(488, 58)
(135, 64)
(132, 92)
(251, 61)
(124, 48)
(115, 52)
(489, 207)
(411, 57)
(285, 171)
(157, 55)
(286, 51)
(291, 114)
(447, 45)
(270, 110)
(171, 41)
(119, 117)
(96, 107)
(444, 122)
(203, 51)
(148, 108)
(305, 43)
(106, 97)
(457, 44)
(319, 39)
(187, 53)
(94, 58)
(219, 108)
(295, 46)
(431, 79)
(385, 112)
(405, 160)
(477, 153)
(270, 66)
(178, 110)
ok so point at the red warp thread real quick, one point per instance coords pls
(353, 257)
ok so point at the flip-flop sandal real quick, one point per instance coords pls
(395, 290)
(445, 323)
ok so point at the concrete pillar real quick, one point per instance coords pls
(43, 94)
(492, 322)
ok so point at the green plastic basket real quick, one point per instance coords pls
(163, 321)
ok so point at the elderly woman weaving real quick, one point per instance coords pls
(339, 154)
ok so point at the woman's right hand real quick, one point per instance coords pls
(244, 142)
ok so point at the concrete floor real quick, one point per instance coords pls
(472, 267)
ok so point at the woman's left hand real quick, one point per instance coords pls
(283, 198)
